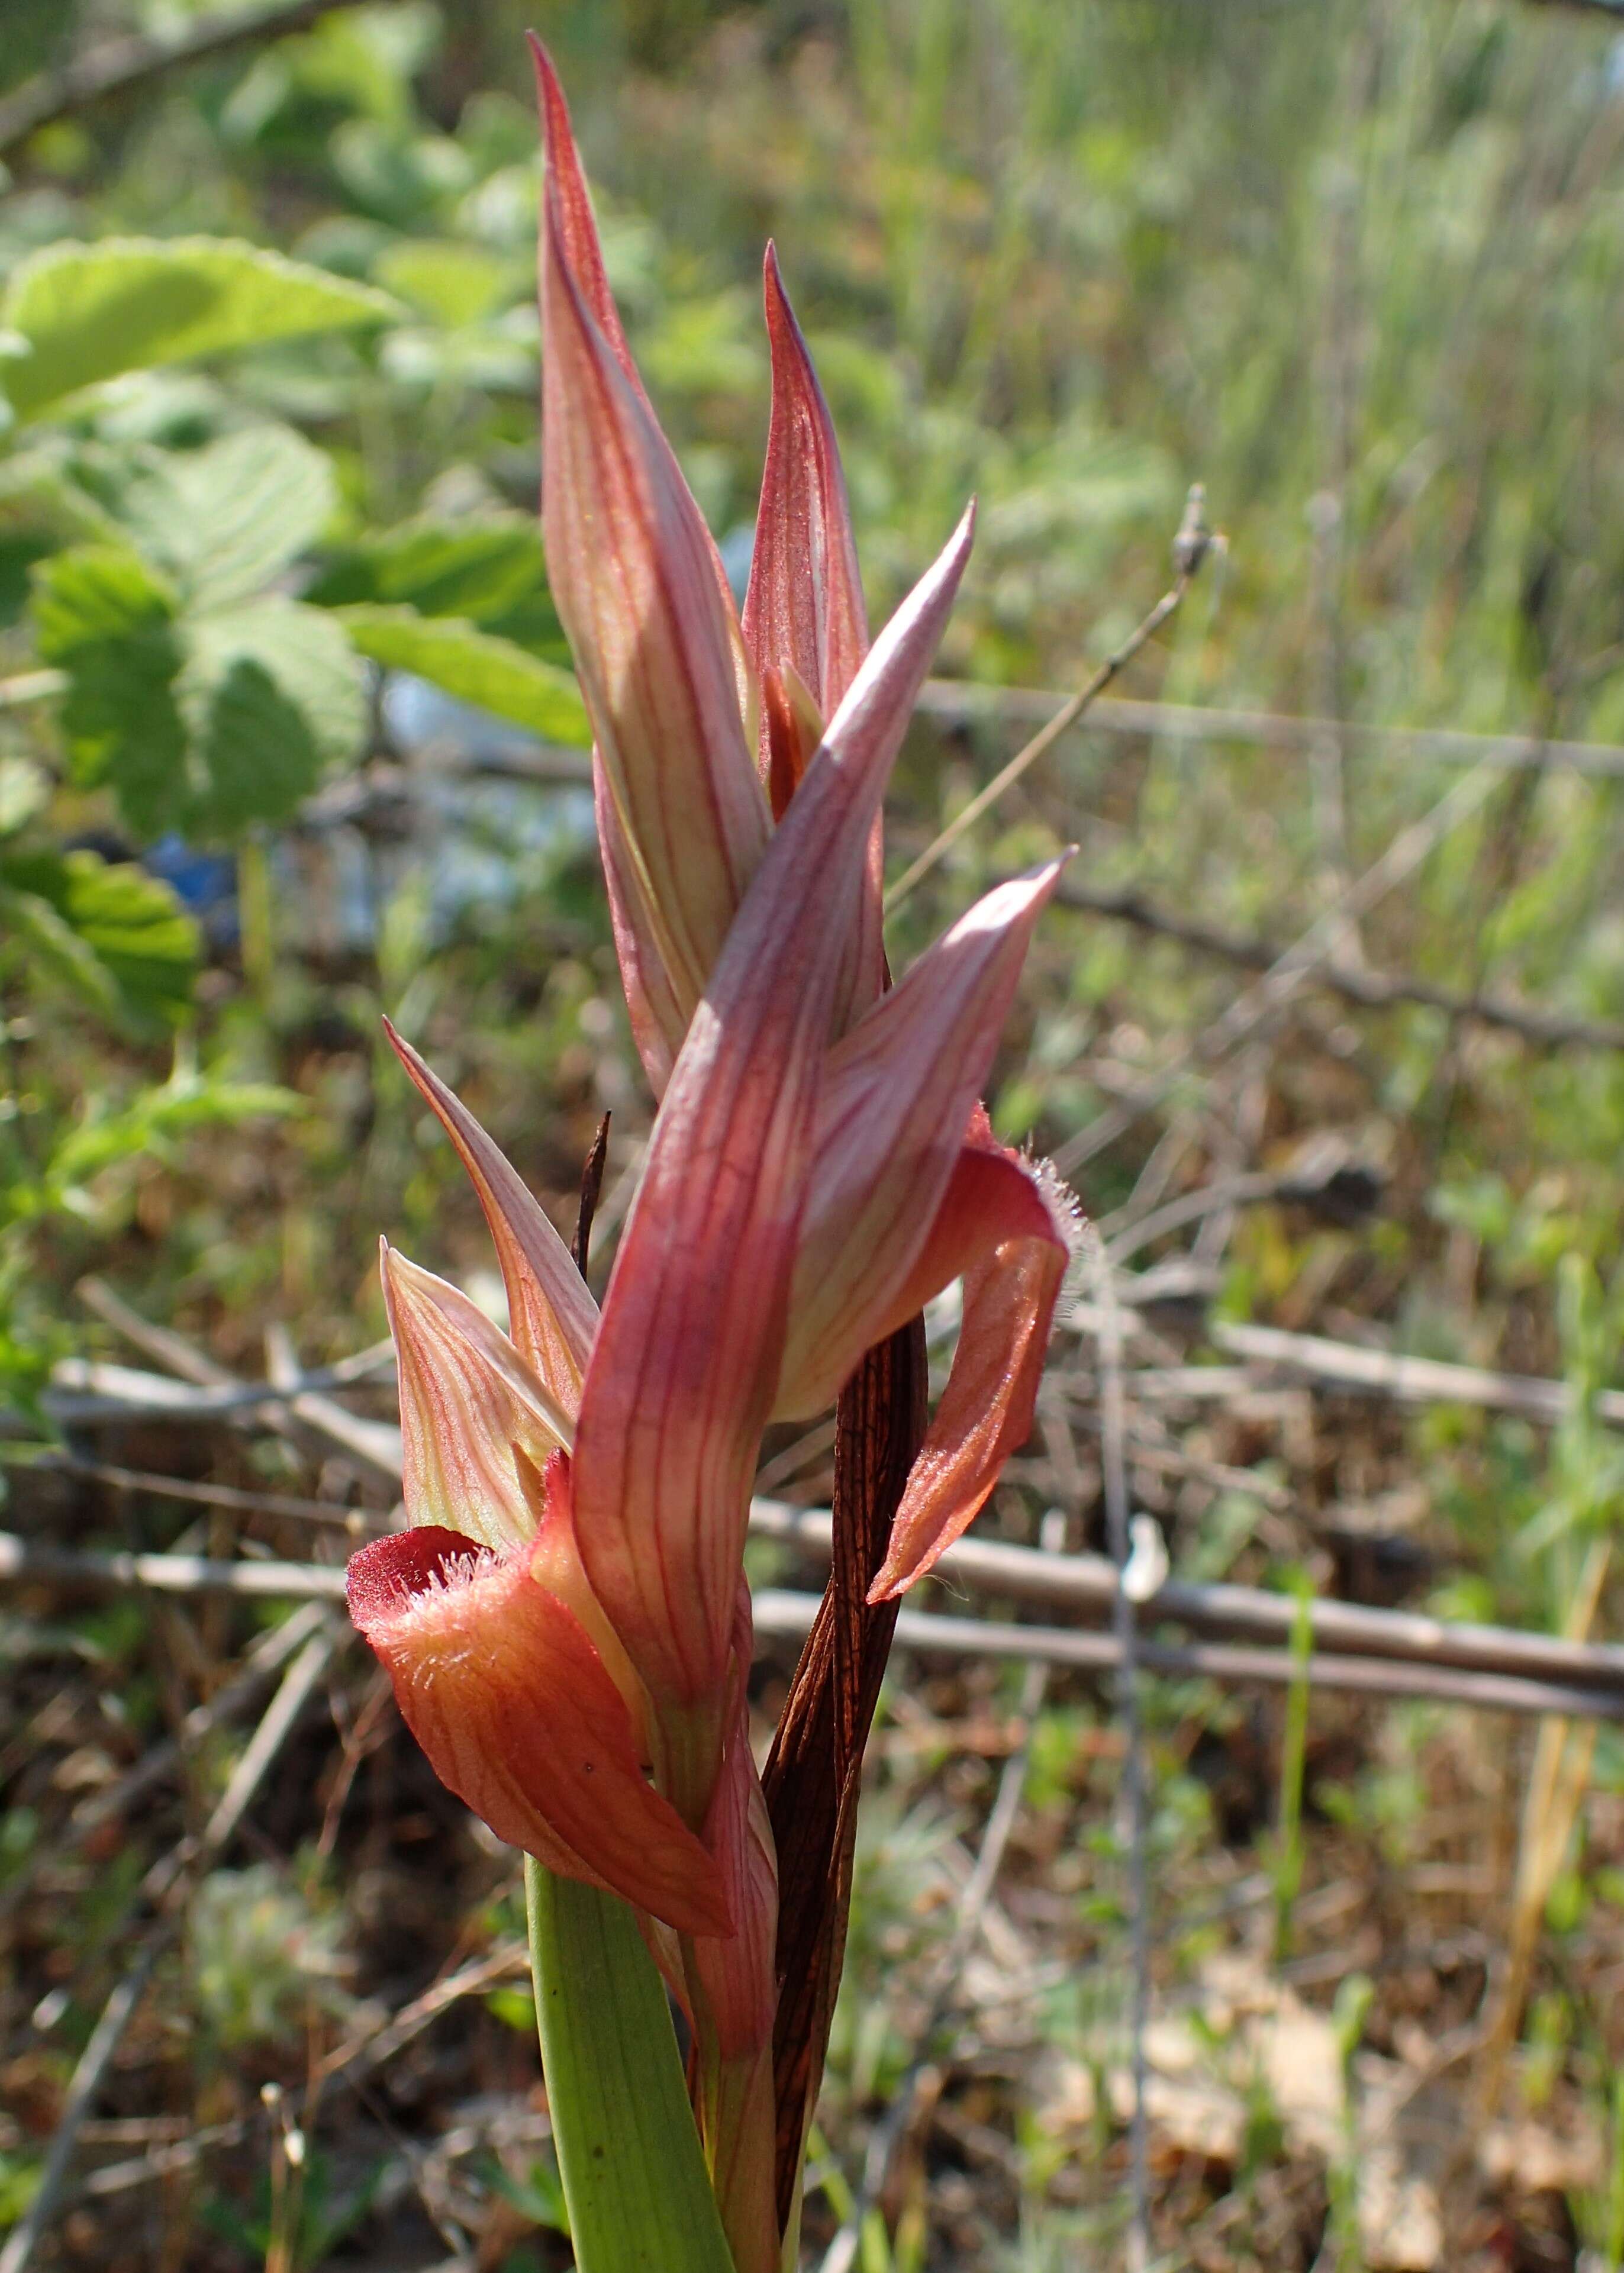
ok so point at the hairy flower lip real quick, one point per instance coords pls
(508, 1696)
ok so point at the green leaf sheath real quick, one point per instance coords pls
(634, 2177)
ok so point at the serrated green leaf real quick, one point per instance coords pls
(204, 723)
(482, 569)
(89, 311)
(109, 620)
(153, 1122)
(476, 666)
(274, 695)
(119, 935)
(52, 942)
(226, 519)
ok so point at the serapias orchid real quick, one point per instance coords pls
(565, 1619)
(704, 725)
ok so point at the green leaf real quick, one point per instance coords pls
(115, 933)
(205, 723)
(111, 622)
(476, 666)
(273, 696)
(52, 942)
(451, 282)
(155, 1121)
(634, 2177)
(482, 569)
(89, 311)
(226, 519)
(23, 791)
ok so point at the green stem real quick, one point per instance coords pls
(634, 2177)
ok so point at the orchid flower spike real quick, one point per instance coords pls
(564, 1619)
(705, 729)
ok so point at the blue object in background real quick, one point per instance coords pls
(205, 883)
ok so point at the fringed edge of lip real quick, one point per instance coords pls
(384, 1597)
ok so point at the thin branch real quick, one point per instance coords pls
(1082, 1583)
(178, 1354)
(1227, 1664)
(166, 1885)
(90, 1394)
(957, 702)
(374, 1445)
(889, 2132)
(267, 1656)
(1408, 1380)
(167, 1574)
(118, 67)
(1441, 1677)
(285, 1507)
(1191, 547)
(93, 2063)
(1284, 978)
(293, 1693)
(1124, 1627)
(1373, 990)
(375, 2046)
(29, 687)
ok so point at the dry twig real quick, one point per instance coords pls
(1250, 1010)
(120, 66)
(1190, 548)
(1370, 989)
(959, 702)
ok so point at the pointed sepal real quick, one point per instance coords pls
(897, 1100)
(692, 1335)
(1007, 1225)
(804, 604)
(638, 589)
(469, 1405)
(551, 1315)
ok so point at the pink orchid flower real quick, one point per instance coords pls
(704, 725)
(564, 1619)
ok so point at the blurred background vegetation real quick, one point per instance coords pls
(288, 739)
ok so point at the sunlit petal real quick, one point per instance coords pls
(658, 1016)
(895, 1101)
(804, 607)
(468, 1400)
(1007, 1225)
(634, 576)
(804, 613)
(688, 1353)
(551, 1315)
